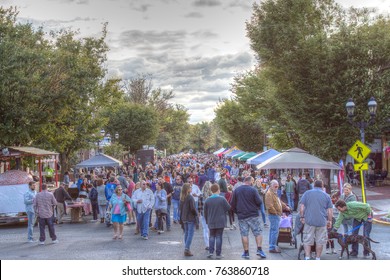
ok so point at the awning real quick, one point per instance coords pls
(260, 158)
(219, 151)
(100, 160)
(247, 156)
(238, 155)
(296, 159)
(233, 153)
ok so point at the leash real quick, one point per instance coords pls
(352, 230)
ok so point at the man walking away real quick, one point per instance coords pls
(44, 203)
(316, 214)
(246, 203)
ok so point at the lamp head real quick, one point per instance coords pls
(372, 106)
(350, 106)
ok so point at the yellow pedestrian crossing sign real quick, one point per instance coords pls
(360, 166)
(359, 151)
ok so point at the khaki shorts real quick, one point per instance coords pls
(317, 234)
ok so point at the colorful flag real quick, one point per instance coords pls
(340, 177)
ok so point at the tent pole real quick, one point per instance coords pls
(40, 173)
(56, 170)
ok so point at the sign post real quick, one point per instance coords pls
(359, 152)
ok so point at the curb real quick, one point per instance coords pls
(376, 221)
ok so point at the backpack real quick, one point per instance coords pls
(93, 195)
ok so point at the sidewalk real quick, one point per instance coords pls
(378, 198)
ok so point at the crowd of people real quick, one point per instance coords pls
(203, 191)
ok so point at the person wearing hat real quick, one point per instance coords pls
(316, 213)
(61, 195)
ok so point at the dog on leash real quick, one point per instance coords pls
(345, 240)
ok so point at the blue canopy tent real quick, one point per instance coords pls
(233, 153)
(260, 158)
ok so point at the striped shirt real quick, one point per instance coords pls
(44, 203)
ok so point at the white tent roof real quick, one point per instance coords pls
(298, 159)
(219, 151)
(99, 160)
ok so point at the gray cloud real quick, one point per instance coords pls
(245, 5)
(137, 38)
(206, 3)
(194, 15)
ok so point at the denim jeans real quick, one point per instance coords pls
(42, 223)
(262, 213)
(290, 199)
(168, 216)
(143, 221)
(216, 238)
(273, 230)
(102, 211)
(205, 231)
(176, 216)
(367, 226)
(30, 225)
(189, 228)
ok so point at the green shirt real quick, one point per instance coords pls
(356, 210)
(289, 186)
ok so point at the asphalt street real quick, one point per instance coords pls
(93, 241)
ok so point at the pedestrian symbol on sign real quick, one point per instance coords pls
(359, 151)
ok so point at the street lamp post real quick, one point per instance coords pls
(362, 125)
(102, 133)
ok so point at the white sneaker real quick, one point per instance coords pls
(55, 241)
(41, 242)
(31, 241)
(328, 251)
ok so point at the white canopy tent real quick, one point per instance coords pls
(296, 159)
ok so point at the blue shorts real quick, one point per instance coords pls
(252, 223)
(118, 218)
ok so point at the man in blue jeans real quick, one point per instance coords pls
(44, 203)
(246, 203)
(215, 209)
(361, 214)
(144, 200)
(275, 209)
(29, 197)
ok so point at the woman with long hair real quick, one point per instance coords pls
(117, 206)
(261, 191)
(188, 217)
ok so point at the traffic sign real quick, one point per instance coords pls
(359, 151)
(360, 166)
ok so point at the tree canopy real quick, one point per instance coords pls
(312, 56)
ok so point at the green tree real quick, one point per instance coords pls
(51, 89)
(174, 129)
(25, 101)
(136, 125)
(241, 127)
(312, 56)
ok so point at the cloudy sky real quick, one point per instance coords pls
(194, 47)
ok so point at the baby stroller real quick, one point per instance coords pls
(286, 230)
